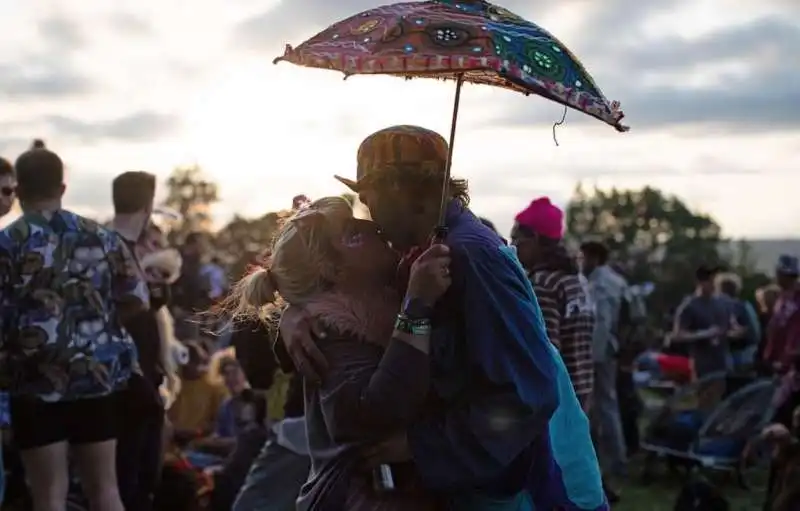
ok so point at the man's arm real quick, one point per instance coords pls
(511, 400)
(752, 321)
(369, 393)
(684, 331)
(295, 344)
(605, 317)
(742, 330)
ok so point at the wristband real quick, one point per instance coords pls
(410, 326)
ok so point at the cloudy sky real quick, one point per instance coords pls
(711, 89)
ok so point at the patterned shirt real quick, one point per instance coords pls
(568, 316)
(783, 332)
(62, 280)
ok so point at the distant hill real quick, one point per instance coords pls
(765, 252)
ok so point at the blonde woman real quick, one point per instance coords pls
(340, 269)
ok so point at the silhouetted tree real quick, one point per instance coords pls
(652, 236)
(192, 194)
(247, 241)
(744, 263)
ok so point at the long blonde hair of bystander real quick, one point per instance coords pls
(766, 297)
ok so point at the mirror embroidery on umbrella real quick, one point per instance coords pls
(475, 40)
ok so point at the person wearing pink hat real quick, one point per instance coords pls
(565, 299)
(560, 288)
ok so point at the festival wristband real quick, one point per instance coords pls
(410, 326)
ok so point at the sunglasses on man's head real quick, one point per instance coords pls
(7, 191)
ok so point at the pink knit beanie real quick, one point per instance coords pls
(543, 218)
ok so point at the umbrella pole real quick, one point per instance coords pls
(441, 228)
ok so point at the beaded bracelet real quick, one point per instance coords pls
(412, 326)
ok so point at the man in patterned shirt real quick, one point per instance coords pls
(66, 286)
(8, 190)
(560, 289)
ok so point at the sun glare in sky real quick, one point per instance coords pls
(199, 92)
(268, 132)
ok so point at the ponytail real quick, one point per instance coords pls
(252, 293)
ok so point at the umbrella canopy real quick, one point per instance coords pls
(468, 40)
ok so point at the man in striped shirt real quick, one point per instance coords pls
(560, 288)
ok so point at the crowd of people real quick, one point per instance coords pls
(461, 371)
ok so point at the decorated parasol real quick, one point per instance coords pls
(466, 41)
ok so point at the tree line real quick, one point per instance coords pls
(653, 236)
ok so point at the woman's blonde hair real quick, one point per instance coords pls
(728, 283)
(766, 297)
(303, 259)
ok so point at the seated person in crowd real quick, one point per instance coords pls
(783, 488)
(251, 433)
(223, 439)
(234, 379)
(194, 413)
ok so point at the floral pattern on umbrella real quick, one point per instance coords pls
(479, 41)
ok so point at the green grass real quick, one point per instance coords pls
(658, 496)
(661, 494)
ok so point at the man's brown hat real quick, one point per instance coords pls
(398, 149)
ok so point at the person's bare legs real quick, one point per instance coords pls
(97, 469)
(47, 473)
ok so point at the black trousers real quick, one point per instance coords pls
(629, 410)
(139, 460)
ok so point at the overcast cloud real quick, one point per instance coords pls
(711, 89)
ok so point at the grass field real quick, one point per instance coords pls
(661, 495)
(658, 496)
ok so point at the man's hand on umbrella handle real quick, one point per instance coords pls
(299, 333)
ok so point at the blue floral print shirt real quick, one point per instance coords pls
(62, 280)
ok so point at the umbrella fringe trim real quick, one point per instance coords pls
(495, 72)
